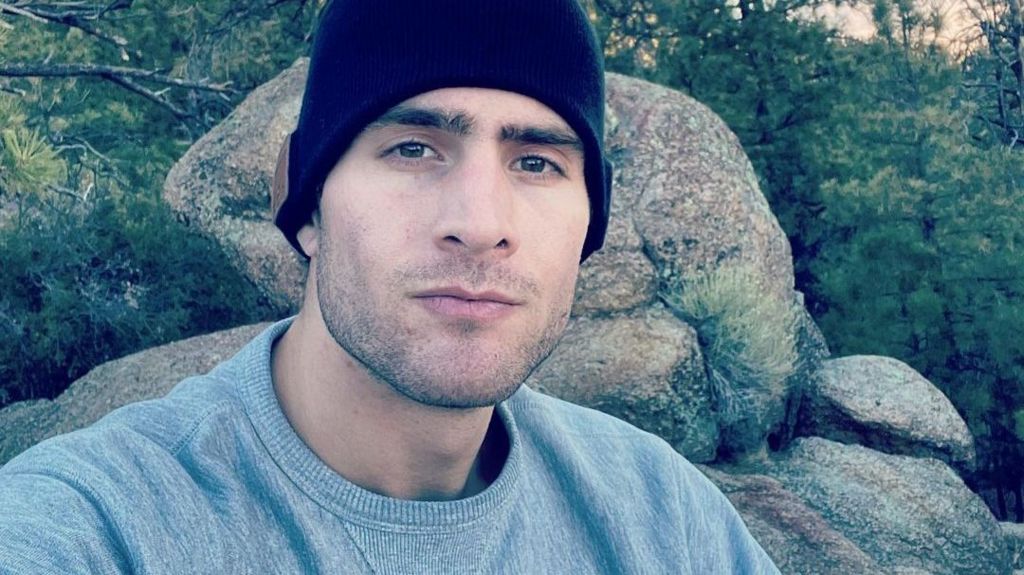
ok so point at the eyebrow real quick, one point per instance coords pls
(550, 136)
(461, 124)
(455, 123)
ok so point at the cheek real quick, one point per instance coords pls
(576, 217)
(562, 211)
(361, 213)
(563, 232)
(559, 245)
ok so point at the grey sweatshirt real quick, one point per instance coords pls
(213, 479)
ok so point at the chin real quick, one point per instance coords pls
(470, 396)
(458, 384)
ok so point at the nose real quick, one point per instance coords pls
(476, 215)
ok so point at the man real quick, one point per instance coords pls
(445, 180)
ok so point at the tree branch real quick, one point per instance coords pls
(82, 144)
(70, 193)
(151, 96)
(1001, 123)
(21, 12)
(71, 18)
(15, 91)
(107, 72)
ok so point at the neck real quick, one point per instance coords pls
(374, 436)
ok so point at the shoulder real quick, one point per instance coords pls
(138, 452)
(618, 466)
(157, 426)
(160, 425)
(74, 503)
(69, 504)
(606, 449)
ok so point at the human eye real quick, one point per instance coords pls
(538, 165)
(411, 150)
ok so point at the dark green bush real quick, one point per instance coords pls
(86, 285)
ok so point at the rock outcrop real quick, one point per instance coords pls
(1013, 534)
(685, 187)
(620, 365)
(902, 511)
(221, 187)
(798, 539)
(882, 403)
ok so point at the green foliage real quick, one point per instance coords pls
(748, 339)
(1018, 424)
(28, 164)
(82, 289)
(771, 74)
(94, 266)
(923, 257)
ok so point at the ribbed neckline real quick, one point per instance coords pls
(340, 496)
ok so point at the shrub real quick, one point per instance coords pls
(84, 286)
(27, 161)
(748, 337)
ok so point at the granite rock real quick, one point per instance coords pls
(903, 511)
(221, 187)
(795, 536)
(882, 403)
(1013, 534)
(645, 367)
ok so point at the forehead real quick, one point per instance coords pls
(483, 108)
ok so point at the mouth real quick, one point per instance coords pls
(459, 303)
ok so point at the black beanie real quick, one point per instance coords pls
(370, 55)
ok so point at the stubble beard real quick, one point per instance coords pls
(423, 371)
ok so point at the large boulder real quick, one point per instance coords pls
(685, 186)
(903, 511)
(644, 367)
(143, 375)
(882, 403)
(795, 536)
(221, 187)
(685, 201)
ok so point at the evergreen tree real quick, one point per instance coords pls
(97, 100)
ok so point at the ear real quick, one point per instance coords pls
(309, 234)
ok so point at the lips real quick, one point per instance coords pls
(459, 303)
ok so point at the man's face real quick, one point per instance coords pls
(448, 244)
